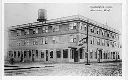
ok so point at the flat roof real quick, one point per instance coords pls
(64, 19)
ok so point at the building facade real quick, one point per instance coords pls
(64, 40)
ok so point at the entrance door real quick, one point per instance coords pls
(46, 55)
(100, 56)
(75, 56)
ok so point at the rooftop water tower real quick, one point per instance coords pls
(42, 15)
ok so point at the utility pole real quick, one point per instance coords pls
(87, 45)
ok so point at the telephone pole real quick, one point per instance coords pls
(87, 45)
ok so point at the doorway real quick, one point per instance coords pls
(75, 55)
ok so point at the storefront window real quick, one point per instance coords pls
(51, 54)
(37, 53)
(65, 53)
(58, 52)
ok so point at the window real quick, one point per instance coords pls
(92, 40)
(98, 31)
(65, 53)
(27, 42)
(10, 53)
(26, 31)
(108, 34)
(18, 43)
(42, 54)
(104, 55)
(44, 29)
(91, 53)
(81, 53)
(113, 55)
(29, 53)
(18, 54)
(35, 41)
(18, 32)
(95, 54)
(46, 40)
(118, 56)
(73, 26)
(85, 26)
(102, 31)
(54, 39)
(108, 43)
(72, 38)
(37, 53)
(51, 54)
(43, 40)
(92, 29)
(25, 54)
(98, 41)
(14, 54)
(103, 42)
(55, 28)
(34, 31)
(58, 52)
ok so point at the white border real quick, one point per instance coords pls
(124, 55)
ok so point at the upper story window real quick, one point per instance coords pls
(72, 38)
(83, 26)
(98, 41)
(97, 31)
(73, 26)
(44, 29)
(55, 28)
(54, 39)
(18, 43)
(108, 35)
(111, 34)
(92, 28)
(102, 32)
(35, 31)
(107, 43)
(27, 42)
(92, 40)
(43, 40)
(26, 31)
(18, 32)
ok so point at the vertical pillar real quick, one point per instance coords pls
(78, 55)
(69, 56)
(54, 55)
(61, 55)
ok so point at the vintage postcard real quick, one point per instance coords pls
(63, 39)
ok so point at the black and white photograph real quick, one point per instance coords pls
(63, 39)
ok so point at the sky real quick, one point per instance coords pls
(22, 13)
